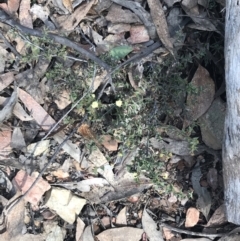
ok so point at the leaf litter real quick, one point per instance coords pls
(103, 131)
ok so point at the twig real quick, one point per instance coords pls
(5, 18)
(178, 230)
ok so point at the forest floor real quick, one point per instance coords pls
(112, 120)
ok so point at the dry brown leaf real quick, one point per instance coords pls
(160, 22)
(121, 217)
(21, 45)
(138, 34)
(212, 124)
(38, 148)
(99, 79)
(198, 103)
(38, 113)
(79, 229)
(85, 131)
(189, 3)
(5, 141)
(68, 5)
(24, 14)
(54, 232)
(150, 227)
(218, 218)
(15, 220)
(97, 158)
(70, 22)
(132, 80)
(87, 234)
(167, 233)
(118, 28)
(24, 182)
(18, 110)
(118, 234)
(63, 99)
(200, 18)
(141, 13)
(3, 58)
(59, 173)
(41, 12)
(6, 80)
(192, 217)
(212, 178)
(66, 205)
(118, 15)
(18, 141)
(109, 142)
(7, 110)
(11, 7)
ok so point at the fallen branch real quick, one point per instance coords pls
(178, 230)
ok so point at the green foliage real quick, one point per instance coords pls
(131, 115)
(120, 52)
(42, 47)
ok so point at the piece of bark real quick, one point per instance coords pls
(231, 150)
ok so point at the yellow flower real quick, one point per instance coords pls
(165, 175)
(119, 103)
(95, 105)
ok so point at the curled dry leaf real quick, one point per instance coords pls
(192, 217)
